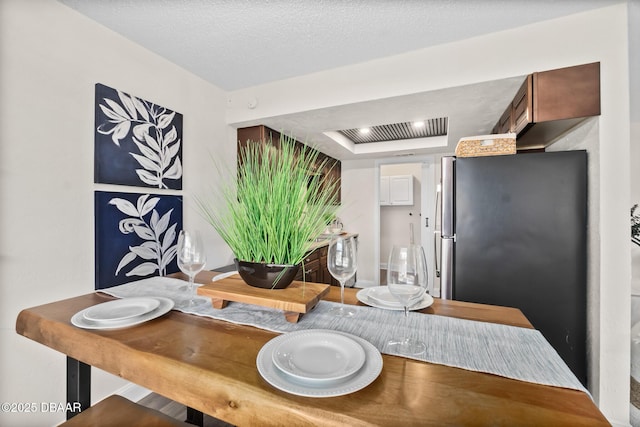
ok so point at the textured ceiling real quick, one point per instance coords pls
(236, 44)
(239, 43)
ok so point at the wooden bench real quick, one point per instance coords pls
(116, 411)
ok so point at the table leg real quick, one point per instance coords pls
(78, 387)
(195, 417)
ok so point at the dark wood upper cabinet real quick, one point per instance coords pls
(522, 109)
(567, 93)
(549, 103)
(330, 171)
(256, 133)
(505, 124)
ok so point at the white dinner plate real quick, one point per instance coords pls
(318, 357)
(382, 295)
(366, 375)
(79, 320)
(120, 309)
(376, 300)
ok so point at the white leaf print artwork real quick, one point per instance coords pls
(124, 206)
(159, 247)
(149, 127)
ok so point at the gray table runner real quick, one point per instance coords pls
(508, 351)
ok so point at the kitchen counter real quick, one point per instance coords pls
(323, 241)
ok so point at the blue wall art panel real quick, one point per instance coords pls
(136, 236)
(137, 143)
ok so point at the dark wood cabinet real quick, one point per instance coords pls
(522, 106)
(312, 272)
(327, 166)
(504, 125)
(549, 103)
(256, 133)
(315, 269)
(310, 269)
(325, 276)
(331, 173)
(567, 93)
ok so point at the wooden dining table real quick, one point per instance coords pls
(210, 365)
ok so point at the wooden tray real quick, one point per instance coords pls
(295, 300)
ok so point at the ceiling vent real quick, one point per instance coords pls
(397, 131)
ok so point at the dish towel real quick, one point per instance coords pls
(509, 351)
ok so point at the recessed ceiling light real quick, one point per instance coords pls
(397, 131)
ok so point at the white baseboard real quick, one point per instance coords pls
(133, 392)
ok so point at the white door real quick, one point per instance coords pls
(425, 226)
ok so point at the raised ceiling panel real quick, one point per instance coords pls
(398, 131)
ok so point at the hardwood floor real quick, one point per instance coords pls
(176, 410)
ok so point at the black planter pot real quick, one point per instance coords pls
(267, 276)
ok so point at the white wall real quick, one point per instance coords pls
(634, 159)
(585, 136)
(599, 35)
(358, 201)
(51, 57)
(634, 59)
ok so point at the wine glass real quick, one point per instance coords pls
(407, 282)
(191, 258)
(342, 264)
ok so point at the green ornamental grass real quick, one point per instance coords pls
(277, 205)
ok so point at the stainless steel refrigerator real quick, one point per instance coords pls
(514, 233)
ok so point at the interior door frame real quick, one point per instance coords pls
(427, 189)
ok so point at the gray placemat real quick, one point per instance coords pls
(509, 351)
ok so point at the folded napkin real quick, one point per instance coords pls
(508, 351)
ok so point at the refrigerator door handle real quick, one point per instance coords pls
(448, 171)
(446, 279)
(447, 228)
(435, 253)
(435, 236)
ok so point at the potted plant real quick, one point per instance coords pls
(272, 209)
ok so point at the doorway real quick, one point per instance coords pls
(402, 221)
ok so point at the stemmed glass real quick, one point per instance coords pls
(191, 258)
(342, 264)
(407, 282)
